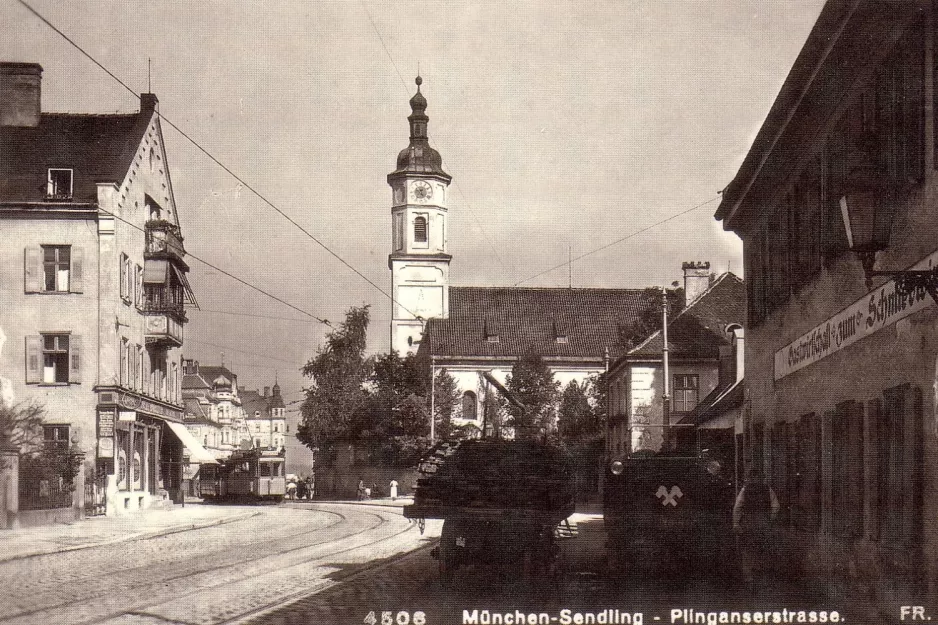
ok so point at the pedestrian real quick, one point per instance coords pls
(291, 487)
(310, 487)
(393, 490)
(361, 489)
(753, 514)
(301, 488)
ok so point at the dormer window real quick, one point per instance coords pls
(560, 333)
(491, 332)
(59, 184)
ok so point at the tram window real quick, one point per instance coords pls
(265, 469)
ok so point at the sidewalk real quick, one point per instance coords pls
(97, 531)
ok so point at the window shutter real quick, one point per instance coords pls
(146, 372)
(33, 359)
(875, 444)
(77, 270)
(33, 269)
(74, 359)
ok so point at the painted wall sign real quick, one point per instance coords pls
(105, 447)
(876, 310)
(126, 415)
(105, 423)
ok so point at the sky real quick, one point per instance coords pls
(570, 129)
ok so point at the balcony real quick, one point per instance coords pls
(163, 329)
(165, 300)
(163, 240)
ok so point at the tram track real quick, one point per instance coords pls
(227, 574)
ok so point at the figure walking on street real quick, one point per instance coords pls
(393, 490)
(361, 489)
(753, 514)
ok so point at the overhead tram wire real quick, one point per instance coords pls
(228, 274)
(455, 180)
(617, 241)
(198, 146)
(229, 312)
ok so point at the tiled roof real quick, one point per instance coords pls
(194, 412)
(530, 320)
(98, 148)
(698, 330)
(252, 402)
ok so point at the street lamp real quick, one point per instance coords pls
(868, 220)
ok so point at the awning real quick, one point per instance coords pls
(187, 289)
(155, 271)
(197, 453)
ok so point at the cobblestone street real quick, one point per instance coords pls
(210, 575)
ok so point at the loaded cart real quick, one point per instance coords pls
(501, 502)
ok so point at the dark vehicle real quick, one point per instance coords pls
(501, 502)
(668, 505)
(246, 475)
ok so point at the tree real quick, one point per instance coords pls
(575, 415)
(333, 406)
(650, 319)
(446, 397)
(532, 383)
(21, 426)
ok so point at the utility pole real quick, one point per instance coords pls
(432, 399)
(666, 394)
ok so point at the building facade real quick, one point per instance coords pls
(700, 339)
(841, 360)
(213, 410)
(265, 416)
(93, 287)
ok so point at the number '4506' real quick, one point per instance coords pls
(402, 617)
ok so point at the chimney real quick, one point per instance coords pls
(195, 367)
(20, 89)
(727, 373)
(739, 348)
(696, 280)
(149, 103)
(266, 390)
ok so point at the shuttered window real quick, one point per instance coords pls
(53, 269)
(53, 359)
(420, 229)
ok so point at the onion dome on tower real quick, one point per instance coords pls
(419, 157)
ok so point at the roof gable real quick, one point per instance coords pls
(699, 329)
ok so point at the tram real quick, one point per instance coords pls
(246, 475)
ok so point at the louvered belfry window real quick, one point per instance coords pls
(420, 229)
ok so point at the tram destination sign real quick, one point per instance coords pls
(874, 311)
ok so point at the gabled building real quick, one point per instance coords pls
(265, 416)
(93, 287)
(837, 193)
(699, 343)
(214, 413)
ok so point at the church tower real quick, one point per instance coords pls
(419, 261)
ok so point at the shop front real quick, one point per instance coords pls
(142, 450)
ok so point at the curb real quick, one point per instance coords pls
(134, 536)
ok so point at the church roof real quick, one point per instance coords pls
(700, 329)
(553, 322)
(97, 148)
